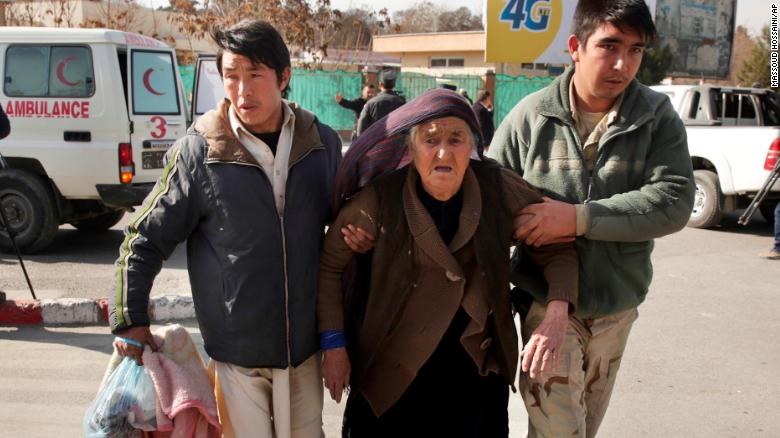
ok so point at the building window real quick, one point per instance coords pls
(527, 66)
(447, 62)
(438, 62)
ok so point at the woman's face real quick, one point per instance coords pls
(440, 150)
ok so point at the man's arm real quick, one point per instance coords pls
(353, 105)
(365, 120)
(661, 206)
(166, 218)
(664, 202)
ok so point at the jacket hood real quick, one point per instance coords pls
(214, 126)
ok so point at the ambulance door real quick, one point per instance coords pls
(156, 108)
(208, 86)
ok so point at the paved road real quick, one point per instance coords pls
(703, 359)
(79, 264)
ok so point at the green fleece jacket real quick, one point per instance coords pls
(641, 187)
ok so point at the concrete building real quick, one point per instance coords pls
(451, 53)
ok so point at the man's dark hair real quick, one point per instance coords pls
(256, 40)
(623, 14)
(482, 95)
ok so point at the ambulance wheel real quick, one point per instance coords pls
(101, 222)
(29, 207)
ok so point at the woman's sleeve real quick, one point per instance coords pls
(335, 256)
(558, 262)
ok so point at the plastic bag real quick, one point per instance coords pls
(125, 404)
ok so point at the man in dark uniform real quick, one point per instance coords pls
(357, 105)
(483, 108)
(383, 104)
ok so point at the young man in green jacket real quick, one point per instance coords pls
(612, 157)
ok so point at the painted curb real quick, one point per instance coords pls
(69, 311)
(19, 312)
(87, 311)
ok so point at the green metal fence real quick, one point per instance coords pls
(412, 85)
(315, 90)
(187, 75)
(510, 90)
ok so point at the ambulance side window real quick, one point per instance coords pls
(48, 71)
(70, 74)
(26, 71)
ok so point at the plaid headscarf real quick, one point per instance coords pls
(380, 149)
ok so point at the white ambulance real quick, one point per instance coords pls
(92, 114)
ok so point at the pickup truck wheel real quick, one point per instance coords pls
(707, 209)
(767, 209)
(101, 222)
(30, 208)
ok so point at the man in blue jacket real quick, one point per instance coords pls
(249, 188)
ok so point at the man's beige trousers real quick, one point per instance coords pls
(269, 402)
(572, 400)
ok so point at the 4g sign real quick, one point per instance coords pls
(527, 30)
(525, 14)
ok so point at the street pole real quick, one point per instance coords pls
(7, 225)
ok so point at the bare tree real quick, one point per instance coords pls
(459, 19)
(426, 16)
(420, 18)
(62, 12)
(305, 26)
(115, 14)
(358, 26)
(23, 13)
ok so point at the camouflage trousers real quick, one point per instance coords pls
(572, 400)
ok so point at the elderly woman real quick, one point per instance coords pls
(434, 348)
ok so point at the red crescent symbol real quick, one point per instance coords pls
(147, 77)
(61, 71)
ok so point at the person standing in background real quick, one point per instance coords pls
(383, 104)
(357, 104)
(483, 108)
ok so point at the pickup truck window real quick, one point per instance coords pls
(694, 106)
(734, 109)
(770, 109)
(49, 71)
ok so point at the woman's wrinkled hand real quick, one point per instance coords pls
(540, 353)
(335, 371)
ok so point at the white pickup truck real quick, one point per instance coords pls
(734, 141)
